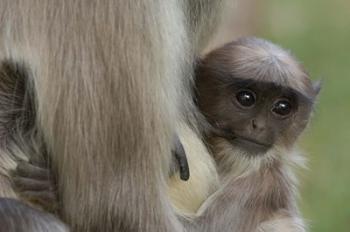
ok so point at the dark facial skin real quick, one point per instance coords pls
(253, 115)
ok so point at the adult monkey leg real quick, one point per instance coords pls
(109, 78)
(18, 217)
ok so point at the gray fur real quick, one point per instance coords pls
(18, 217)
(108, 78)
(259, 59)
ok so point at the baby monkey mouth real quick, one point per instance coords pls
(246, 144)
(252, 146)
(251, 141)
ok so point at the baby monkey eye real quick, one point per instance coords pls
(282, 107)
(246, 98)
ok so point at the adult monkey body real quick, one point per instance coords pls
(107, 78)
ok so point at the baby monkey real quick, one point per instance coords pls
(255, 99)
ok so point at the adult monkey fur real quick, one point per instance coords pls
(108, 78)
(257, 100)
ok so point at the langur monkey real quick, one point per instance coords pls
(108, 81)
(255, 99)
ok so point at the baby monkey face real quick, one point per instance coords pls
(255, 95)
(255, 115)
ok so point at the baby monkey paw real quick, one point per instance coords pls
(179, 161)
(35, 184)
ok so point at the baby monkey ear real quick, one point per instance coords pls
(317, 86)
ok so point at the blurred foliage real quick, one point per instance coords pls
(318, 33)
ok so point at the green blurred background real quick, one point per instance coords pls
(318, 33)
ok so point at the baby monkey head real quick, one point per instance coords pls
(255, 95)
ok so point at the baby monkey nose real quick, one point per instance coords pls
(258, 125)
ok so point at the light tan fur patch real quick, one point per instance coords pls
(188, 196)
